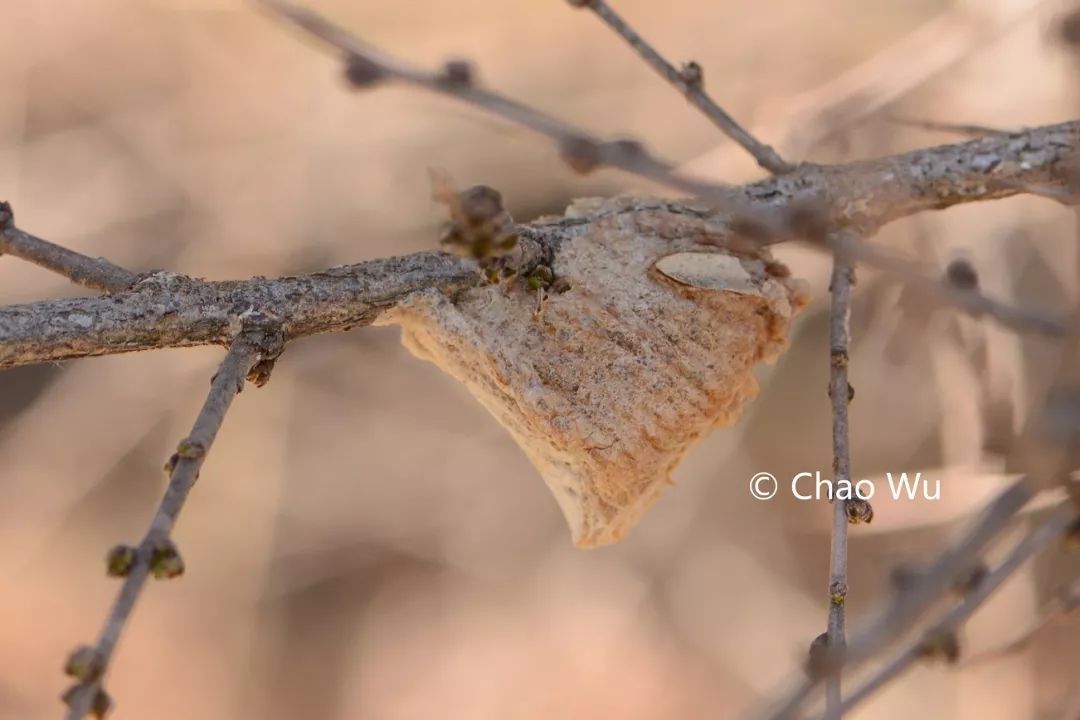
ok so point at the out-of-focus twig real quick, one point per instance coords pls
(947, 127)
(940, 639)
(96, 273)
(869, 194)
(966, 298)
(1063, 603)
(255, 346)
(914, 596)
(801, 123)
(583, 151)
(689, 81)
(1063, 195)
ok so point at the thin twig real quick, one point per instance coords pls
(583, 151)
(916, 595)
(943, 633)
(1065, 601)
(968, 299)
(869, 193)
(96, 273)
(690, 82)
(169, 310)
(840, 395)
(949, 570)
(798, 124)
(259, 341)
(956, 128)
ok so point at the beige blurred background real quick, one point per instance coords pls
(365, 541)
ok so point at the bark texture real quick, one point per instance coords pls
(168, 310)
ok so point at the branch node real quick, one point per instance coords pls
(859, 511)
(961, 274)
(541, 278)
(941, 645)
(263, 331)
(479, 226)
(458, 73)
(100, 704)
(120, 559)
(7, 216)
(692, 75)
(165, 560)
(170, 464)
(362, 73)
(823, 658)
(582, 154)
(969, 581)
(190, 449)
(85, 663)
(838, 591)
(630, 150)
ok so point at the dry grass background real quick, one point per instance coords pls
(365, 541)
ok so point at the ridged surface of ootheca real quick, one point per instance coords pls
(620, 374)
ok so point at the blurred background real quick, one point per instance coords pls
(365, 541)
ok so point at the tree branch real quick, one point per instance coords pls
(583, 151)
(96, 273)
(832, 204)
(969, 129)
(840, 394)
(168, 310)
(690, 82)
(866, 194)
(940, 639)
(1065, 600)
(915, 593)
(258, 343)
(945, 293)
